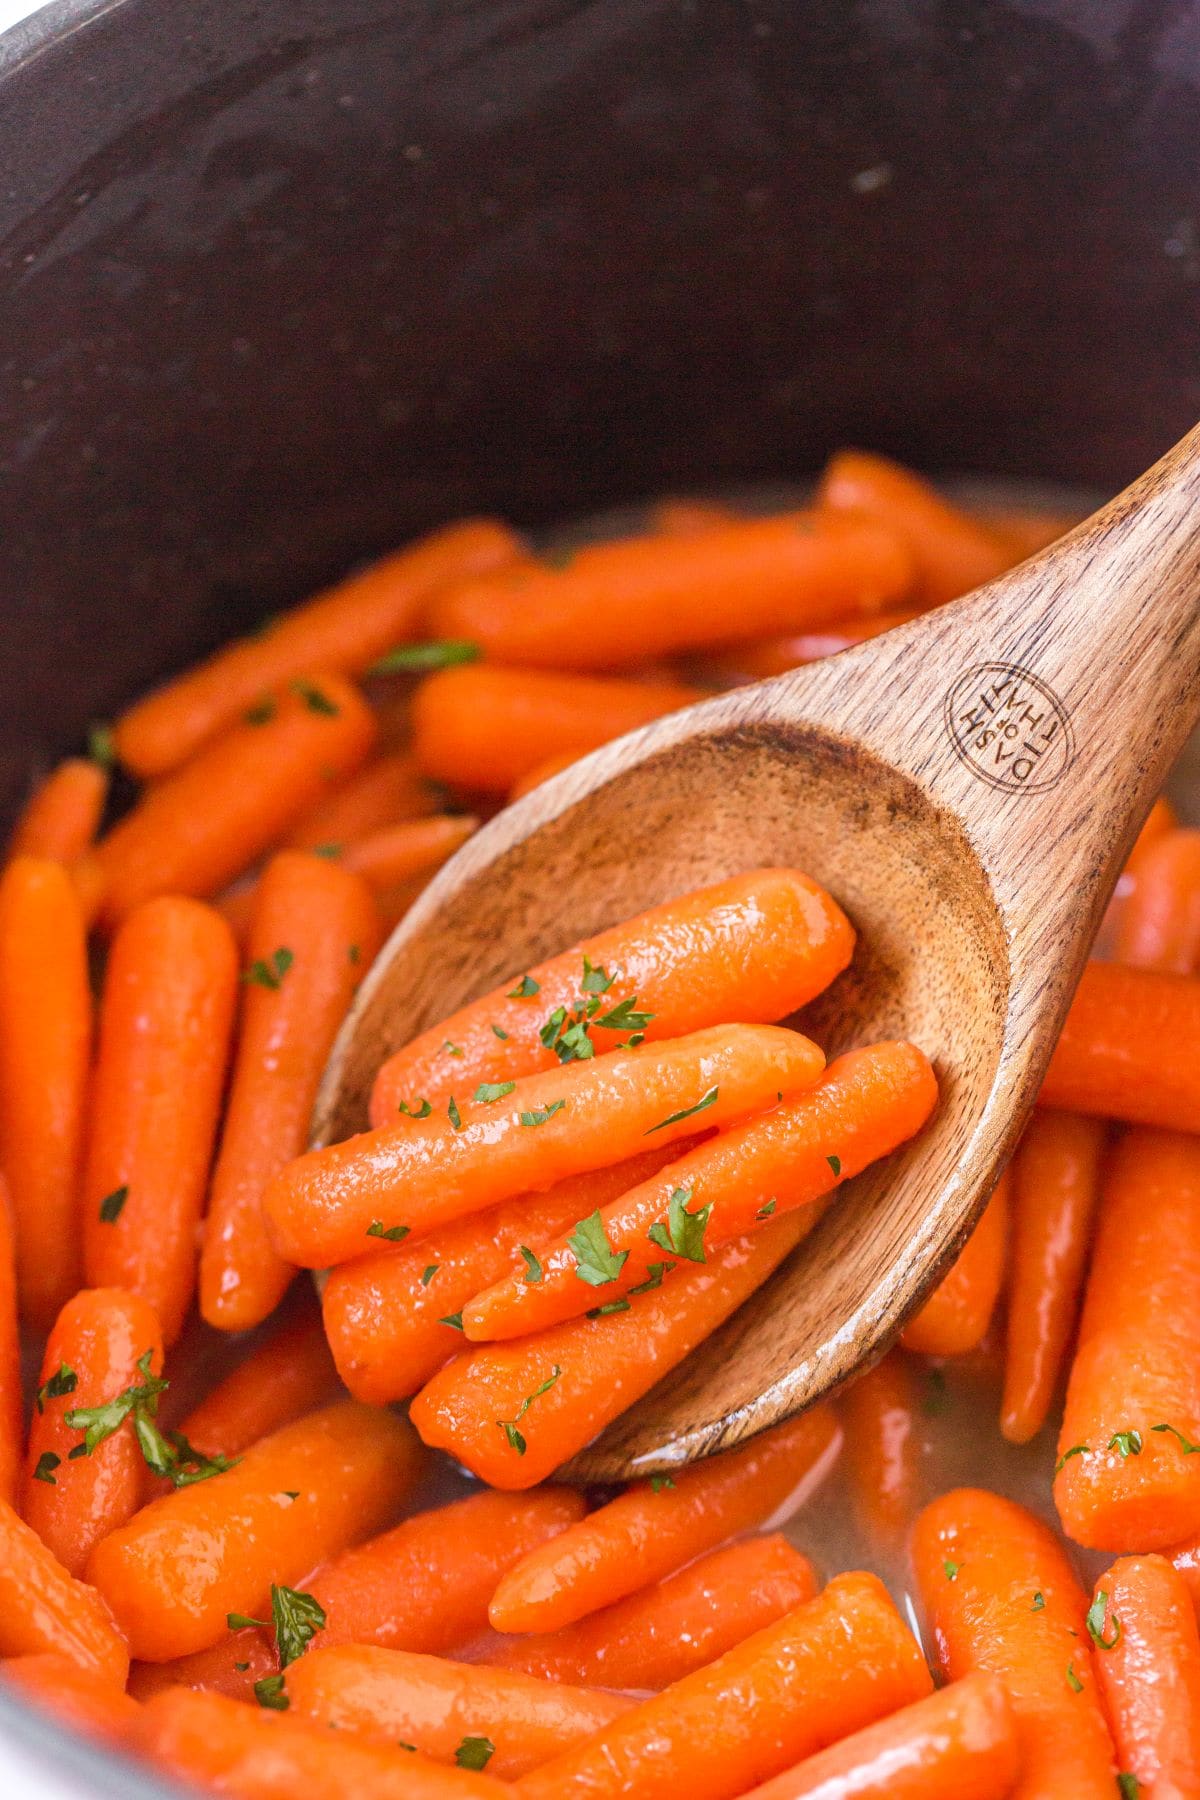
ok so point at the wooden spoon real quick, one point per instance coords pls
(968, 787)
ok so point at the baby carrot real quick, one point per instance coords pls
(1148, 1670)
(75, 1696)
(434, 1705)
(181, 1565)
(751, 949)
(43, 1608)
(385, 1314)
(230, 1667)
(617, 602)
(879, 1422)
(1001, 1595)
(396, 853)
(166, 1017)
(654, 1527)
(1025, 529)
(1159, 922)
(513, 1412)
(313, 932)
(1130, 1048)
(251, 1754)
(343, 629)
(386, 790)
(327, 1206)
(45, 1040)
(956, 1315)
(12, 1399)
(1125, 1479)
(1159, 820)
(958, 1744)
(865, 1105)
(759, 658)
(482, 727)
(62, 815)
(426, 1584)
(683, 516)
(832, 1666)
(104, 1342)
(1055, 1188)
(287, 1374)
(661, 1633)
(953, 552)
(543, 771)
(197, 829)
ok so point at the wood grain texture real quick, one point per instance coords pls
(976, 885)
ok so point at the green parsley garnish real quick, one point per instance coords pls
(47, 1462)
(501, 1034)
(329, 853)
(1095, 1623)
(488, 1091)
(63, 1381)
(475, 1753)
(420, 658)
(688, 1112)
(395, 1234)
(951, 1570)
(269, 1692)
(110, 1206)
(533, 1268)
(654, 1278)
(169, 1455)
(1129, 1787)
(261, 713)
(428, 1273)
(547, 1112)
(596, 1262)
(452, 1319)
(452, 1049)
(525, 988)
(270, 974)
(509, 1426)
(453, 1114)
(1075, 1450)
(659, 1482)
(1189, 1449)
(764, 1212)
(102, 746)
(1127, 1443)
(684, 1231)
(421, 1110)
(314, 698)
(353, 953)
(610, 1306)
(936, 1398)
(99, 1422)
(835, 1163)
(296, 1618)
(1073, 1681)
(1039, 1601)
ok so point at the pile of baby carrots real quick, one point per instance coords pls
(225, 1547)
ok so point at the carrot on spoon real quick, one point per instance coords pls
(62, 815)
(955, 1317)
(1147, 1661)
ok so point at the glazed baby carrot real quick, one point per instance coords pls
(543, 771)
(386, 790)
(12, 1398)
(832, 1666)
(959, 1744)
(752, 949)
(230, 1667)
(385, 1314)
(1159, 820)
(1055, 1187)
(45, 1040)
(344, 629)
(878, 1412)
(166, 1018)
(328, 1206)
(617, 602)
(759, 658)
(434, 1705)
(1159, 922)
(396, 853)
(1126, 1478)
(75, 1696)
(1130, 1048)
(661, 1633)
(286, 1374)
(956, 1315)
(953, 552)
(1148, 1669)
(252, 1754)
(43, 1608)
(197, 829)
(426, 1584)
(1001, 1595)
(181, 1565)
(313, 932)
(513, 1412)
(105, 1342)
(485, 728)
(62, 815)
(866, 1104)
(654, 1527)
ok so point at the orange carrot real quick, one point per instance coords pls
(760, 658)
(654, 1527)
(865, 1105)
(751, 949)
(386, 858)
(543, 771)
(953, 552)
(1026, 530)
(959, 1744)
(314, 931)
(88, 880)
(343, 629)
(832, 1666)
(166, 1018)
(386, 790)
(104, 1342)
(483, 727)
(878, 1412)
(683, 516)
(617, 602)
(77, 1697)
(230, 1667)
(1159, 922)
(1148, 1669)
(43, 1608)
(434, 1705)
(513, 1412)
(955, 1317)
(327, 1206)
(1126, 1480)
(12, 1400)
(287, 1374)
(384, 1314)
(45, 1038)
(62, 816)
(661, 1633)
(193, 832)
(426, 1585)
(1159, 820)
(1001, 1595)
(181, 1565)
(249, 1754)
(1130, 1048)
(1055, 1188)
